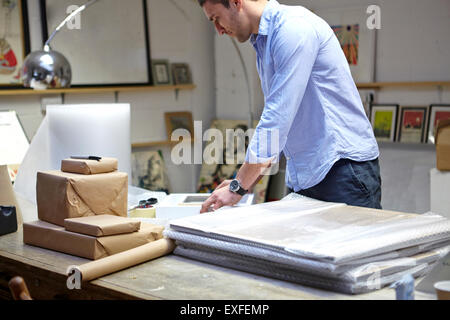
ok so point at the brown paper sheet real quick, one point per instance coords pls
(83, 166)
(102, 225)
(62, 195)
(7, 196)
(95, 269)
(54, 237)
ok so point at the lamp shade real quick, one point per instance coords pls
(46, 69)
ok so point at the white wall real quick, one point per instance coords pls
(178, 32)
(413, 45)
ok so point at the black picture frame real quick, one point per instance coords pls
(161, 72)
(430, 127)
(181, 73)
(148, 68)
(424, 122)
(25, 35)
(388, 107)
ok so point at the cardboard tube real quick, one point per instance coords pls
(116, 262)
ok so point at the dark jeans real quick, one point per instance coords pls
(351, 182)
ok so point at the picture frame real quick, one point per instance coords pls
(179, 120)
(161, 72)
(212, 174)
(181, 73)
(358, 42)
(437, 112)
(148, 170)
(383, 118)
(412, 124)
(14, 42)
(101, 51)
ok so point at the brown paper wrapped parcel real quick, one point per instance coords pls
(85, 166)
(53, 237)
(102, 225)
(62, 195)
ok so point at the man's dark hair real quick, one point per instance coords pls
(225, 3)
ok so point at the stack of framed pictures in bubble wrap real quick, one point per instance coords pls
(408, 124)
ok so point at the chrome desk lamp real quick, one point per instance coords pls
(49, 69)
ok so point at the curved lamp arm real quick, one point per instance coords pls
(63, 23)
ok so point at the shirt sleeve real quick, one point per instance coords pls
(293, 48)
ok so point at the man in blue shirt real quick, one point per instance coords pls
(312, 113)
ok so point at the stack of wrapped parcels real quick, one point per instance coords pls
(82, 211)
(327, 245)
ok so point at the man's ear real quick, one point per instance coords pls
(236, 3)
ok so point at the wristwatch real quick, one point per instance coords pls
(235, 186)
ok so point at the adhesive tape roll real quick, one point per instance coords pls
(143, 213)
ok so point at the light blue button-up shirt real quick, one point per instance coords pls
(311, 100)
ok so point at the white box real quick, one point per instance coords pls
(440, 192)
(178, 205)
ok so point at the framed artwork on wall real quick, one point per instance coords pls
(358, 42)
(437, 112)
(383, 118)
(108, 45)
(161, 72)
(412, 124)
(181, 73)
(14, 41)
(179, 120)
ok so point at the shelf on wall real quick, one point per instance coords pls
(379, 85)
(17, 92)
(156, 143)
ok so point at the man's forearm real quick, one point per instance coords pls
(250, 173)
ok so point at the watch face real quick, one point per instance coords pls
(234, 185)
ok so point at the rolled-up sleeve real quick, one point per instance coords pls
(293, 46)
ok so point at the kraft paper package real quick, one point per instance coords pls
(443, 145)
(62, 195)
(53, 237)
(86, 166)
(102, 225)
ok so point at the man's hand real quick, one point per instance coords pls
(222, 196)
(225, 183)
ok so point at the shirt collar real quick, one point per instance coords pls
(266, 16)
(264, 23)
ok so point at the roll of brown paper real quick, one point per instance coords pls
(116, 262)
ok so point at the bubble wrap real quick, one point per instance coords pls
(358, 280)
(327, 232)
(289, 260)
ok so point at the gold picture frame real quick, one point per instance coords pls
(179, 120)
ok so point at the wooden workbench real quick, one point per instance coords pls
(170, 277)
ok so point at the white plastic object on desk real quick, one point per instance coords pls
(178, 205)
(439, 192)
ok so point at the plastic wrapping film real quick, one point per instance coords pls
(317, 230)
(289, 260)
(370, 281)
